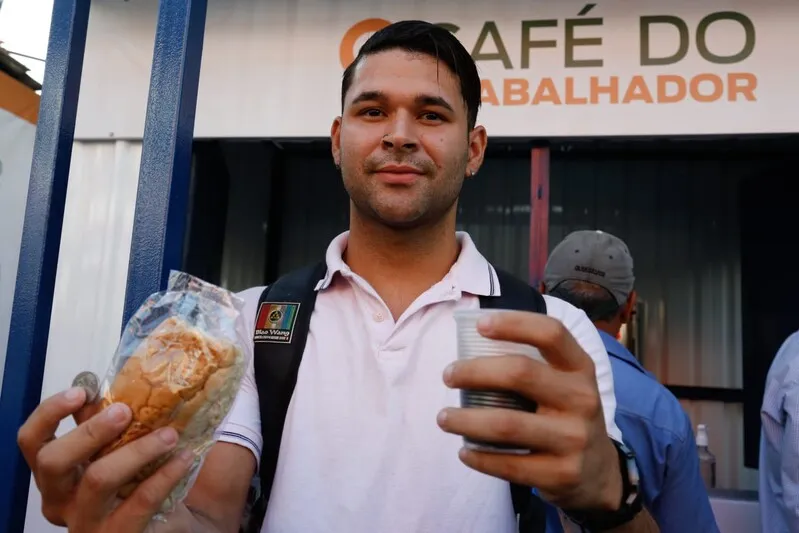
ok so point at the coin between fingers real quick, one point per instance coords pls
(88, 382)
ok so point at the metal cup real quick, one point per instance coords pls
(470, 345)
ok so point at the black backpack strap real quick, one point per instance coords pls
(515, 294)
(520, 296)
(281, 329)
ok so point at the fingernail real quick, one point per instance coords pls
(74, 394)
(187, 456)
(485, 323)
(442, 417)
(118, 412)
(168, 435)
(448, 373)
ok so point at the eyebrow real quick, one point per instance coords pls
(427, 100)
(420, 100)
(369, 96)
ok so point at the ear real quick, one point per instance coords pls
(335, 141)
(478, 139)
(629, 308)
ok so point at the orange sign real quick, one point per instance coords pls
(346, 50)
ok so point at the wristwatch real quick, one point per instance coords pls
(631, 500)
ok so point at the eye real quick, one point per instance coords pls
(371, 112)
(430, 116)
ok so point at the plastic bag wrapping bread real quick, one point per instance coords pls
(179, 363)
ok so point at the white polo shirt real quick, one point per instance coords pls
(361, 450)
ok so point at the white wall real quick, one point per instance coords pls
(92, 273)
(16, 151)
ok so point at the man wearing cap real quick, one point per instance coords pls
(593, 271)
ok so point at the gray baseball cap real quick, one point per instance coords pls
(593, 256)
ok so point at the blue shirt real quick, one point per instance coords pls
(779, 442)
(655, 426)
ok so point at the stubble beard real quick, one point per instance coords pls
(436, 202)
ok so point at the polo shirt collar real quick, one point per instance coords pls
(471, 273)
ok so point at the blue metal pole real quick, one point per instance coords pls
(165, 173)
(38, 258)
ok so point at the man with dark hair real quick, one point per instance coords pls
(418, 38)
(593, 271)
(371, 440)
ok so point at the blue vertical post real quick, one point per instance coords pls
(164, 177)
(38, 257)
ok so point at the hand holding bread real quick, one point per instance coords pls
(179, 378)
(135, 453)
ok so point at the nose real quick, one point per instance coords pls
(401, 136)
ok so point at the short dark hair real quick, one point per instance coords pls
(429, 39)
(597, 302)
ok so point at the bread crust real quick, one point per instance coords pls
(169, 381)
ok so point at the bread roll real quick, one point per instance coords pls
(179, 377)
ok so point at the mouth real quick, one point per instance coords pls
(398, 174)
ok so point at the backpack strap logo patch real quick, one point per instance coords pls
(275, 322)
